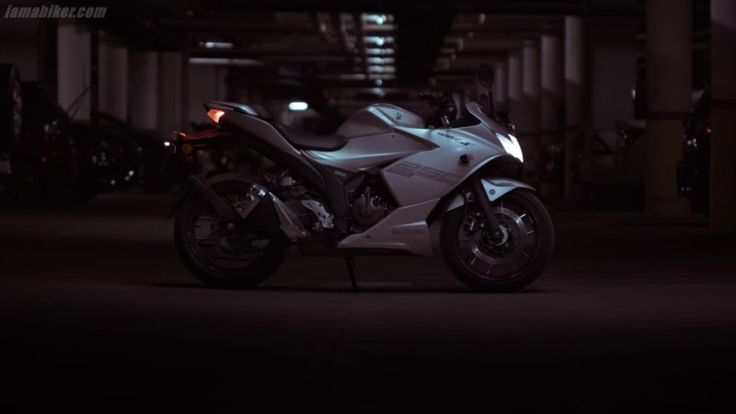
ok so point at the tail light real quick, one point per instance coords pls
(215, 115)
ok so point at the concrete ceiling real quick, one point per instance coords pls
(347, 50)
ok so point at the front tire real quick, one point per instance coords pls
(506, 265)
(226, 255)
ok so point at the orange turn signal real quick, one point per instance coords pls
(215, 115)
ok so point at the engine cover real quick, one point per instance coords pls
(368, 209)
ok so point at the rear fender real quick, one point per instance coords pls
(201, 188)
(288, 222)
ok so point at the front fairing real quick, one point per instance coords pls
(497, 133)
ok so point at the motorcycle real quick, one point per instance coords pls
(693, 170)
(382, 183)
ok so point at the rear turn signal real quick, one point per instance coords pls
(215, 115)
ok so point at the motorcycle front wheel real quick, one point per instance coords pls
(222, 254)
(507, 264)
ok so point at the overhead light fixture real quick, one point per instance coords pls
(381, 69)
(382, 76)
(216, 45)
(378, 19)
(379, 51)
(224, 61)
(379, 40)
(298, 106)
(345, 76)
(380, 60)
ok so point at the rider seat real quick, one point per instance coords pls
(304, 140)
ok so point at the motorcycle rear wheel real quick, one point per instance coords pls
(505, 265)
(225, 255)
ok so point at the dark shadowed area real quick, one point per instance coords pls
(98, 315)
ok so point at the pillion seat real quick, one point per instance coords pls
(299, 139)
(304, 140)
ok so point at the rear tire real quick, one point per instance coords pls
(485, 266)
(202, 262)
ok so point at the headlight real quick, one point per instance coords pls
(511, 145)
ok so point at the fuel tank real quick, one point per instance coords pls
(373, 140)
(378, 118)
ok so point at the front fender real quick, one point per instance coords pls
(495, 188)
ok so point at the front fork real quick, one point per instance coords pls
(485, 205)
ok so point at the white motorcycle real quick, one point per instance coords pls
(383, 182)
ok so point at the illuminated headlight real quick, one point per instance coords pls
(511, 145)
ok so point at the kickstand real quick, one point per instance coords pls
(350, 264)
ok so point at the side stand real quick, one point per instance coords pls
(350, 264)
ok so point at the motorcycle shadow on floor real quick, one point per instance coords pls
(344, 287)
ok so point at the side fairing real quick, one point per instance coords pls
(375, 139)
(366, 152)
(432, 174)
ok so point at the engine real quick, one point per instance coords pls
(368, 208)
(370, 201)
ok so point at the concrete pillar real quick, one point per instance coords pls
(723, 116)
(113, 87)
(514, 86)
(551, 87)
(143, 90)
(574, 72)
(73, 75)
(170, 68)
(500, 91)
(19, 41)
(669, 87)
(529, 126)
(550, 109)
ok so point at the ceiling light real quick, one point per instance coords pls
(380, 60)
(379, 40)
(378, 19)
(298, 106)
(381, 69)
(216, 45)
(381, 52)
(223, 61)
(383, 76)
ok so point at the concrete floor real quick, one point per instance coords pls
(97, 315)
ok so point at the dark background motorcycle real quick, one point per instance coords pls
(693, 172)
